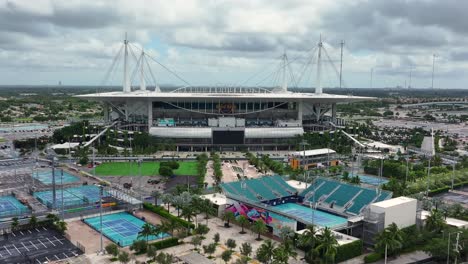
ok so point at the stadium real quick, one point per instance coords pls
(221, 118)
(325, 203)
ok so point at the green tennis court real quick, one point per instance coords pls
(147, 168)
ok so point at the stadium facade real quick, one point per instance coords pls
(227, 118)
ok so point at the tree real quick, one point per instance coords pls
(228, 217)
(33, 221)
(139, 246)
(196, 241)
(151, 252)
(260, 228)
(167, 198)
(231, 243)
(165, 171)
(282, 253)
(209, 249)
(202, 229)
(286, 234)
(328, 245)
(61, 226)
(156, 195)
(124, 257)
(389, 241)
(146, 230)
(308, 240)
(164, 258)
(112, 249)
(435, 222)
(264, 253)
(216, 238)
(14, 223)
(245, 249)
(242, 220)
(226, 255)
(171, 225)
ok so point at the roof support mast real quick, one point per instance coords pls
(126, 79)
(142, 74)
(285, 81)
(341, 63)
(318, 89)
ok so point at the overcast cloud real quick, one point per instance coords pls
(218, 42)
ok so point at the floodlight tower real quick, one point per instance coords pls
(318, 89)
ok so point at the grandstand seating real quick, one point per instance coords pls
(346, 197)
(268, 187)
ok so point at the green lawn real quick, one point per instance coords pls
(147, 168)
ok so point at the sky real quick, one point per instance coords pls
(234, 43)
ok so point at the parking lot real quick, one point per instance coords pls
(38, 245)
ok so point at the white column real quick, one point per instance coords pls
(150, 115)
(334, 113)
(300, 106)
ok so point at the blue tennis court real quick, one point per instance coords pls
(46, 177)
(320, 218)
(10, 206)
(372, 180)
(121, 228)
(86, 194)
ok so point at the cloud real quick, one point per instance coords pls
(234, 39)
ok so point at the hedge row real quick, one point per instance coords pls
(372, 257)
(349, 251)
(169, 242)
(447, 188)
(163, 213)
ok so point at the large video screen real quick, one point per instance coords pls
(228, 137)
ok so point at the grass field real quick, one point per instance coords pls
(147, 169)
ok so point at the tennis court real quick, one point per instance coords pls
(10, 206)
(46, 177)
(372, 180)
(86, 194)
(305, 213)
(121, 228)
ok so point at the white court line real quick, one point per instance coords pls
(42, 243)
(25, 246)
(58, 240)
(50, 241)
(32, 244)
(16, 248)
(7, 250)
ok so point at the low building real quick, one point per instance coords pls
(313, 158)
(400, 210)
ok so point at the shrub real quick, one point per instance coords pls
(165, 171)
(139, 246)
(162, 212)
(349, 251)
(169, 242)
(171, 164)
(372, 257)
(112, 249)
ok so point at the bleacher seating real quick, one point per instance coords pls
(346, 198)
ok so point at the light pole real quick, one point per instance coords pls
(407, 168)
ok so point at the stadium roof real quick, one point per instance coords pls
(314, 152)
(152, 95)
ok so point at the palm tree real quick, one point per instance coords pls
(282, 253)
(265, 252)
(171, 225)
(146, 231)
(308, 241)
(242, 220)
(167, 198)
(435, 222)
(156, 195)
(33, 221)
(228, 217)
(389, 240)
(259, 227)
(328, 244)
(14, 223)
(207, 207)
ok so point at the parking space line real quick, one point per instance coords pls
(58, 240)
(1, 256)
(44, 228)
(7, 250)
(48, 260)
(42, 243)
(56, 257)
(25, 246)
(50, 241)
(66, 256)
(21, 233)
(38, 230)
(38, 261)
(32, 244)
(13, 233)
(16, 248)
(29, 231)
